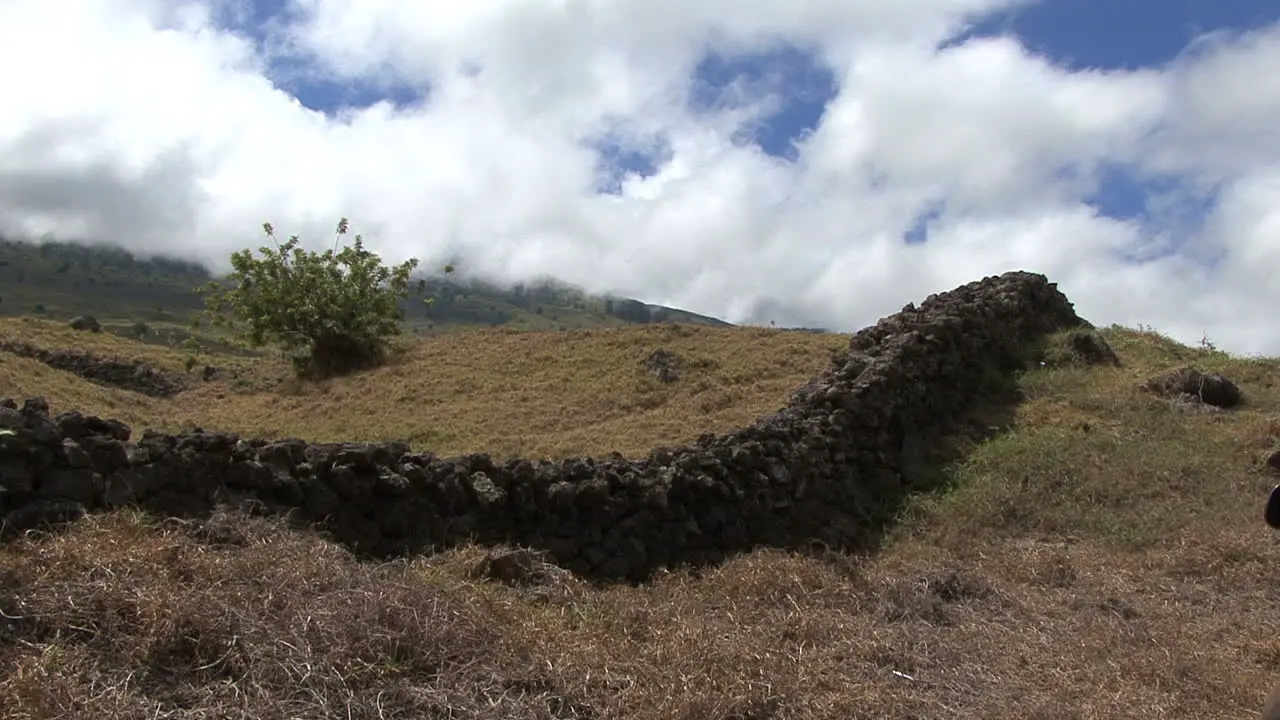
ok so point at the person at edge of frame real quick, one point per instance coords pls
(1271, 708)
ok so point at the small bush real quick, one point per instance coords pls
(332, 312)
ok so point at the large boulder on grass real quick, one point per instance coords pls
(1190, 385)
(1083, 347)
(85, 322)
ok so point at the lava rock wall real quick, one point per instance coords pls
(823, 469)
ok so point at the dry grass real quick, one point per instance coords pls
(54, 335)
(509, 393)
(1104, 559)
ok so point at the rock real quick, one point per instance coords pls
(78, 484)
(486, 492)
(662, 364)
(40, 514)
(1188, 384)
(519, 567)
(85, 322)
(1092, 348)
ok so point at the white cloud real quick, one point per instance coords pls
(1223, 101)
(153, 123)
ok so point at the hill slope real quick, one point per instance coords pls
(502, 391)
(61, 280)
(1102, 557)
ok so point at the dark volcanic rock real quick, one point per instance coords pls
(1092, 348)
(1191, 385)
(133, 376)
(85, 322)
(662, 365)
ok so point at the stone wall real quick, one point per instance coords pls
(827, 467)
(125, 375)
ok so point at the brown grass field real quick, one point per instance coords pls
(1103, 558)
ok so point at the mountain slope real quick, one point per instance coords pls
(65, 279)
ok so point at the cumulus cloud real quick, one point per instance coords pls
(182, 126)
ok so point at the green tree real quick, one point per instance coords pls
(332, 312)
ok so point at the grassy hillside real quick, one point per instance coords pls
(502, 391)
(61, 280)
(1104, 557)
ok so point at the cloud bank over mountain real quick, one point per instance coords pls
(813, 163)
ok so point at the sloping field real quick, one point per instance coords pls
(1102, 558)
(553, 394)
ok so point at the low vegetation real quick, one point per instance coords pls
(331, 312)
(1104, 557)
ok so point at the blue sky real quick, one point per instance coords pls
(1119, 35)
(1127, 35)
(315, 90)
(1123, 34)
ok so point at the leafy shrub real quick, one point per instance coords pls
(332, 312)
